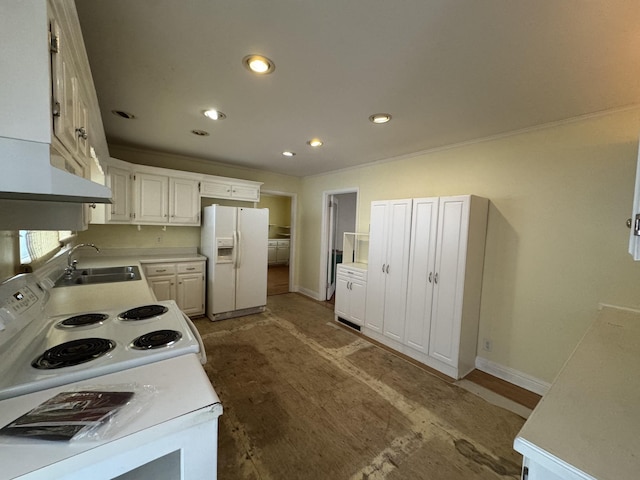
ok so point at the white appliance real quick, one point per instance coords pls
(235, 240)
(149, 344)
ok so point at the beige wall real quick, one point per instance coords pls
(148, 236)
(279, 209)
(556, 241)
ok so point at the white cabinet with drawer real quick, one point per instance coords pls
(183, 282)
(351, 289)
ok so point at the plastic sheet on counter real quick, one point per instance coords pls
(89, 413)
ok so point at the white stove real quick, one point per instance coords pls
(40, 352)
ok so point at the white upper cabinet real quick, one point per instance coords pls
(184, 201)
(118, 179)
(220, 187)
(151, 196)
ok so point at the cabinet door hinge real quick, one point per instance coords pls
(54, 42)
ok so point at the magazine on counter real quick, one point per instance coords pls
(67, 414)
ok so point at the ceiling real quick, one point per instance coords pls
(448, 71)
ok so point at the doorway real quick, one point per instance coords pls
(281, 240)
(340, 214)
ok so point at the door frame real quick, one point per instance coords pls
(292, 238)
(324, 236)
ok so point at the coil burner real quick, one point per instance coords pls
(83, 320)
(73, 353)
(157, 339)
(144, 312)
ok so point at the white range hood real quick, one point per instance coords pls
(27, 174)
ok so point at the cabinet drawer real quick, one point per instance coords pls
(159, 269)
(351, 273)
(283, 243)
(190, 267)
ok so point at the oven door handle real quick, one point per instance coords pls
(194, 330)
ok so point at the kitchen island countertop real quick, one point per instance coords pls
(587, 426)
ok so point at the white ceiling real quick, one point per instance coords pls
(449, 71)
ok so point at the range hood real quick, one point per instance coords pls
(27, 174)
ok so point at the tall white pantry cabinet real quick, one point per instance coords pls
(426, 257)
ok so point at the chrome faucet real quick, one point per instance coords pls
(72, 262)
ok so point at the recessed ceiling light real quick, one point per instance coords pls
(380, 118)
(259, 64)
(214, 114)
(200, 133)
(288, 153)
(123, 114)
(315, 142)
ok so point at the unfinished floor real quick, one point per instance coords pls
(305, 399)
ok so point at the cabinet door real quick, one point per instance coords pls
(377, 265)
(64, 93)
(245, 192)
(151, 198)
(184, 204)
(164, 287)
(342, 297)
(453, 222)
(190, 293)
(358, 295)
(396, 271)
(81, 120)
(282, 252)
(422, 254)
(120, 209)
(216, 190)
(272, 253)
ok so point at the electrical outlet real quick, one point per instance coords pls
(487, 344)
(159, 239)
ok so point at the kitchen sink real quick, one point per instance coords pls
(90, 276)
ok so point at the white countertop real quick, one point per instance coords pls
(84, 298)
(590, 418)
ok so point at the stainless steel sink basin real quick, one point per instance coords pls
(89, 276)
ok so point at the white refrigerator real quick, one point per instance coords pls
(235, 240)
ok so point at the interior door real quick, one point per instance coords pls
(331, 254)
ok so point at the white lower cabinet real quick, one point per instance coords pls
(183, 282)
(278, 252)
(351, 289)
(432, 316)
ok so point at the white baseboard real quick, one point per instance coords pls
(308, 293)
(510, 375)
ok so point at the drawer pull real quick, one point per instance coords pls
(161, 270)
(191, 268)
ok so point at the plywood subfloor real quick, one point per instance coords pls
(306, 399)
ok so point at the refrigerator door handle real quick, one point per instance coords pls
(239, 250)
(235, 250)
